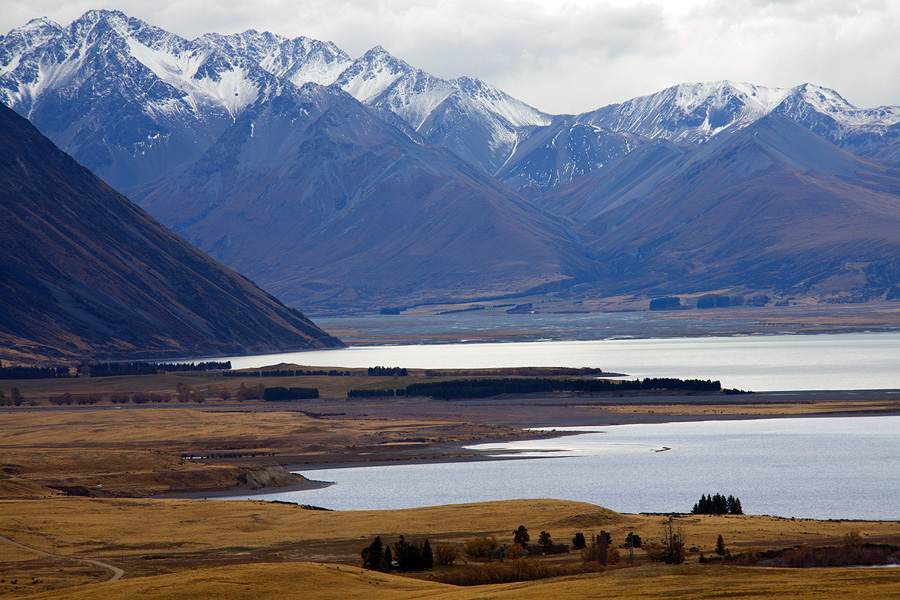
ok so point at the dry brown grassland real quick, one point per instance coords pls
(257, 549)
(180, 548)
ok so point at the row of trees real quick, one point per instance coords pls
(149, 368)
(15, 398)
(387, 372)
(288, 373)
(282, 394)
(718, 505)
(485, 388)
(33, 372)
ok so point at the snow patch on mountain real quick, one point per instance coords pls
(515, 111)
(695, 112)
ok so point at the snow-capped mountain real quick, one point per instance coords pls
(766, 206)
(300, 60)
(354, 183)
(126, 99)
(169, 97)
(552, 156)
(695, 112)
(324, 203)
(470, 117)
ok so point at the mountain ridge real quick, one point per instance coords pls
(86, 274)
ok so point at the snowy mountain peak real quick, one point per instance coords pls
(299, 60)
(372, 73)
(38, 24)
(694, 112)
(515, 111)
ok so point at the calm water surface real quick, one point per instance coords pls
(843, 361)
(841, 468)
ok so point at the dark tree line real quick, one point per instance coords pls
(382, 393)
(485, 388)
(287, 373)
(665, 303)
(33, 372)
(148, 368)
(718, 505)
(405, 557)
(281, 394)
(387, 372)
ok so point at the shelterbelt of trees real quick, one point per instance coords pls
(484, 388)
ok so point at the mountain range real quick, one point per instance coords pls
(350, 184)
(87, 275)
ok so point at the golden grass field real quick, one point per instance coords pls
(183, 548)
(257, 549)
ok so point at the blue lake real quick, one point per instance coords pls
(840, 468)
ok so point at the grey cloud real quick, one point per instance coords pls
(568, 56)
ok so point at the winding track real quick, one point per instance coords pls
(116, 571)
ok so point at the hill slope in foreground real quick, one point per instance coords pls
(260, 550)
(85, 273)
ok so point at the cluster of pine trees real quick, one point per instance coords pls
(387, 372)
(718, 505)
(405, 556)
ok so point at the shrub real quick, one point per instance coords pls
(520, 569)
(250, 393)
(481, 547)
(446, 554)
(655, 551)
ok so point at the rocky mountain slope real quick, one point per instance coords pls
(318, 198)
(86, 274)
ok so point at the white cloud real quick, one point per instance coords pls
(569, 55)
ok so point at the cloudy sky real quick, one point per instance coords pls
(568, 56)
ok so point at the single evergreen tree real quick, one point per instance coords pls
(372, 554)
(720, 546)
(401, 554)
(521, 537)
(603, 548)
(720, 505)
(578, 542)
(633, 540)
(427, 555)
(386, 559)
(545, 542)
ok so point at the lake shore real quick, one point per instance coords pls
(214, 449)
(526, 414)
